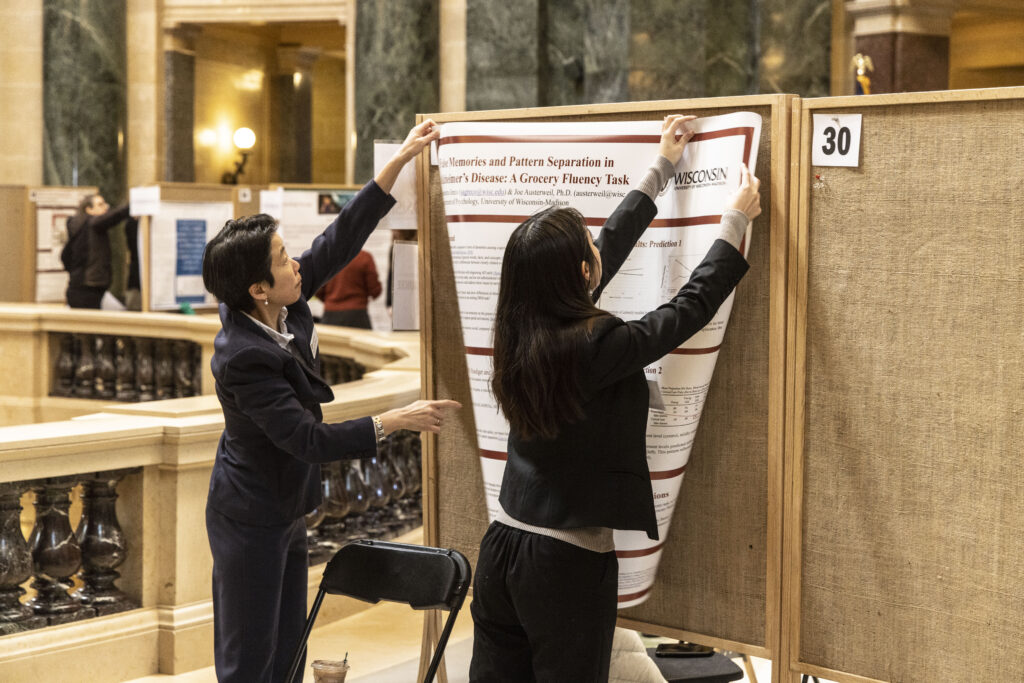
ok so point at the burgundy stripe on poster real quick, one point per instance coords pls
(459, 139)
(695, 352)
(593, 221)
(668, 474)
(493, 455)
(479, 351)
(643, 552)
(634, 596)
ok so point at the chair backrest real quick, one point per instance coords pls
(422, 577)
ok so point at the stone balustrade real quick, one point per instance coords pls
(130, 598)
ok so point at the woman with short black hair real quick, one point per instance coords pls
(569, 377)
(266, 476)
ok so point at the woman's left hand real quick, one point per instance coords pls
(674, 136)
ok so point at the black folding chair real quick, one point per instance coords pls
(420, 576)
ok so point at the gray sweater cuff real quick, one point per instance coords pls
(733, 227)
(656, 177)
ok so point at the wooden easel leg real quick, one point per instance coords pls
(749, 666)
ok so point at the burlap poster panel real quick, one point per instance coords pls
(913, 496)
(712, 575)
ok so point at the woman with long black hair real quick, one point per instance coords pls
(569, 378)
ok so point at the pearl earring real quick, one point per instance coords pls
(266, 302)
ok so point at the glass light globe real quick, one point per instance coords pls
(244, 138)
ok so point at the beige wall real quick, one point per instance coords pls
(232, 85)
(329, 120)
(21, 92)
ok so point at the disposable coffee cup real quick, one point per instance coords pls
(328, 671)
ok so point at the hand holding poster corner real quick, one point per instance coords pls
(495, 175)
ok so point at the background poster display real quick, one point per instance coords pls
(178, 233)
(305, 213)
(494, 175)
(54, 206)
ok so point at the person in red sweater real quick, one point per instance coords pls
(347, 294)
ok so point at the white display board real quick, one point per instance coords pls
(54, 206)
(178, 233)
(494, 175)
(305, 213)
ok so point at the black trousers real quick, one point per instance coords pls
(259, 597)
(357, 317)
(84, 297)
(543, 610)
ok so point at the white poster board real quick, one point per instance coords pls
(307, 213)
(406, 298)
(178, 233)
(54, 206)
(494, 175)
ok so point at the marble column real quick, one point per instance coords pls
(396, 71)
(907, 41)
(84, 90)
(291, 114)
(179, 103)
(794, 54)
(502, 54)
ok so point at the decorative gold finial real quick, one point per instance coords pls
(862, 63)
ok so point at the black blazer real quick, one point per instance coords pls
(594, 473)
(267, 469)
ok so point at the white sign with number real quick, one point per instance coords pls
(836, 140)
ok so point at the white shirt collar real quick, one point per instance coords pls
(281, 335)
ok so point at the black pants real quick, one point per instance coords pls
(84, 297)
(543, 610)
(259, 597)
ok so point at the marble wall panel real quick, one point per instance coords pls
(561, 70)
(397, 71)
(731, 47)
(606, 33)
(179, 115)
(795, 47)
(666, 49)
(84, 91)
(502, 55)
(291, 128)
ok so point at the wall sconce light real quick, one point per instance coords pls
(244, 140)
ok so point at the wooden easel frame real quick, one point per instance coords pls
(779, 123)
(796, 353)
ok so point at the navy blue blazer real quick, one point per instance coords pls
(594, 473)
(267, 469)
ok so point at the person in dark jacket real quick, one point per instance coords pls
(266, 476)
(569, 378)
(88, 262)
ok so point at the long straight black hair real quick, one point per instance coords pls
(541, 323)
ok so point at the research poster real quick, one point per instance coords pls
(178, 234)
(494, 175)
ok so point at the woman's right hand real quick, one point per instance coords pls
(674, 136)
(419, 416)
(746, 198)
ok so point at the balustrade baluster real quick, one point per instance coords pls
(86, 368)
(15, 564)
(164, 370)
(124, 385)
(103, 545)
(56, 555)
(105, 374)
(182, 368)
(64, 371)
(144, 371)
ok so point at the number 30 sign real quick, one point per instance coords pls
(836, 140)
